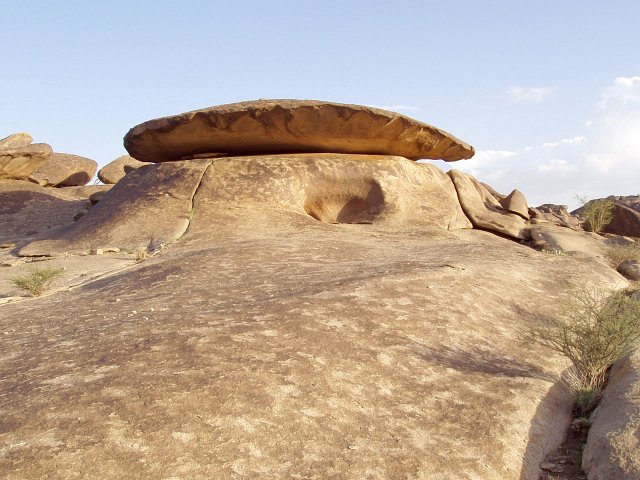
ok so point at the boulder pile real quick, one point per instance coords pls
(284, 162)
(28, 171)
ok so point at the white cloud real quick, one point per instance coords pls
(557, 165)
(397, 108)
(482, 159)
(565, 141)
(623, 91)
(519, 94)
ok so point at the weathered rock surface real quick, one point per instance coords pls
(16, 140)
(149, 208)
(560, 239)
(613, 445)
(18, 163)
(484, 210)
(630, 269)
(625, 221)
(114, 171)
(265, 127)
(516, 202)
(556, 214)
(311, 351)
(27, 209)
(154, 205)
(97, 196)
(65, 170)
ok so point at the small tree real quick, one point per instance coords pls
(37, 280)
(598, 213)
(594, 329)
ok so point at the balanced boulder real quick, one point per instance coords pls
(265, 127)
(18, 163)
(114, 171)
(65, 170)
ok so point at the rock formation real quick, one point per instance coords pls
(613, 444)
(114, 171)
(555, 214)
(484, 210)
(65, 170)
(300, 314)
(626, 215)
(266, 127)
(18, 163)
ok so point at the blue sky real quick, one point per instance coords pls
(547, 91)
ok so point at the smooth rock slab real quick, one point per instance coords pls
(28, 209)
(17, 163)
(265, 127)
(65, 170)
(484, 210)
(113, 172)
(613, 446)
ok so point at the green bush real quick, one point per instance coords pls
(599, 214)
(593, 329)
(37, 280)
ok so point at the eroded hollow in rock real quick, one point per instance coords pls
(345, 201)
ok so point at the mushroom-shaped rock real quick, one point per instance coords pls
(65, 170)
(114, 171)
(18, 163)
(265, 127)
(16, 140)
(516, 202)
(483, 209)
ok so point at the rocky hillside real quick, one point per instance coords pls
(311, 305)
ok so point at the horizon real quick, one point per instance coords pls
(548, 94)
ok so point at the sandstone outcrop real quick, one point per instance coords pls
(16, 140)
(147, 210)
(65, 170)
(18, 163)
(114, 171)
(625, 221)
(28, 209)
(484, 210)
(313, 315)
(154, 205)
(303, 351)
(265, 127)
(556, 214)
(613, 445)
(516, 202)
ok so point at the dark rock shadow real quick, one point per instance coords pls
(481, 360)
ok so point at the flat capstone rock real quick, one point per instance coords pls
(265, 127)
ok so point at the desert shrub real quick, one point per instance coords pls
(598, 214)
(619, 253)
(37, 280)
(593, 329)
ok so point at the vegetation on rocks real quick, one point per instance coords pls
(593, 329)
(598, 213)
(37, 280)
(619, 253)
